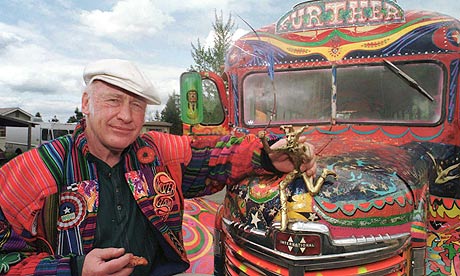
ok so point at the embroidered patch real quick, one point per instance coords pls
(88, 189)
(72, 210)
(165, 187)
(138, 183)
(146, 155)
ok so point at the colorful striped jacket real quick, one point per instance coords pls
(41, 228)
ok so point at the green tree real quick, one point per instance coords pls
(171, 114)
(77, 117)
(157, 116)
(213, 58)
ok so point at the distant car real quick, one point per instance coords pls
(17, 138)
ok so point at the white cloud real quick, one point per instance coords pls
(449, 7)
(164, 78)
(9, 38)
(129, 19)
(34, 77)
(209, 40)
(239, 33)
(31, 67)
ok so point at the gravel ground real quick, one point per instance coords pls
(217, 197)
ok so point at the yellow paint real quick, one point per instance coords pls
(420, 231)
(301, 203)
(442, 212)
(435, 257)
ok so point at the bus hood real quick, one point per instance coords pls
(378, 196)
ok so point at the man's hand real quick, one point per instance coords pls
(107, 261)
(286, 161)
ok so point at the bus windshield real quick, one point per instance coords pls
(364, 94)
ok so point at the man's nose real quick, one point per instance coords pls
(125, 112)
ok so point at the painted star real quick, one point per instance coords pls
(255, 219)
(67, 210)
(336, 190)
(262, 207)
(312, 217)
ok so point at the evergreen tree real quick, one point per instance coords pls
(212, 59)
(77, 117)
(157, 116)
(171, 114)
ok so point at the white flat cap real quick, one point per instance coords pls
(123, 74)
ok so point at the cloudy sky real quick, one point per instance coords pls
(45, 44)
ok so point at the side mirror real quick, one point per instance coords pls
(191, 98)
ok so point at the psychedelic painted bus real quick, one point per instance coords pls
(376, 90)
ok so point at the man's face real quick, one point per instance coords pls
(114, 117)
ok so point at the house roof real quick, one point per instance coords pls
(8, 110)
(8, 121)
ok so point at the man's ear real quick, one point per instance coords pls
(85, 103)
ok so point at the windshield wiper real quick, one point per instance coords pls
(412, 83)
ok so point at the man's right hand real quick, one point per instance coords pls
(107, 261)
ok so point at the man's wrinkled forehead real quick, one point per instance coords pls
(103, 89)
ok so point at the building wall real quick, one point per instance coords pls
(164, 129)
(156, 126)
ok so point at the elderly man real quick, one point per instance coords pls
(85, 204)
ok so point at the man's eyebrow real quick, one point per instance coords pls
(106, 95)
